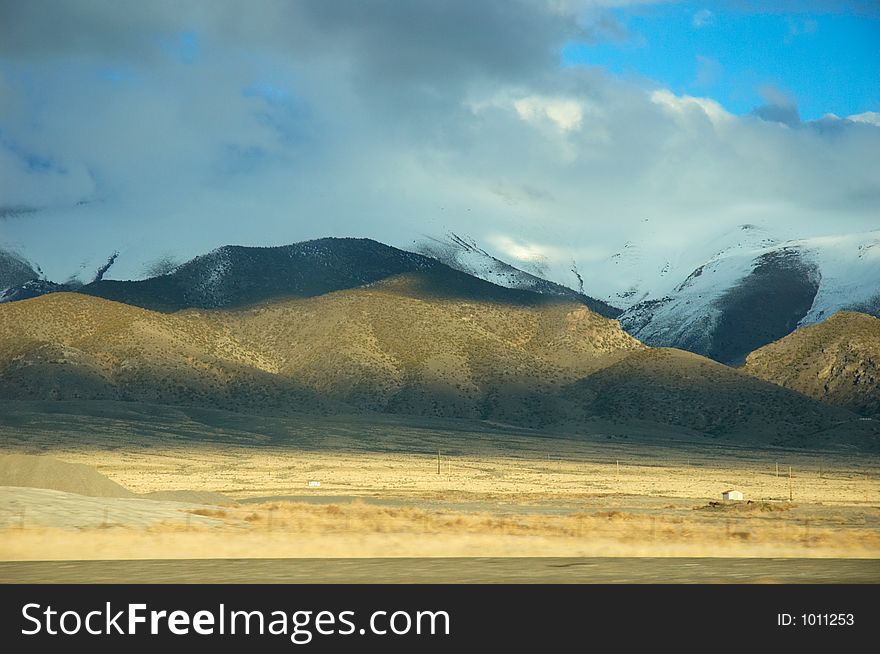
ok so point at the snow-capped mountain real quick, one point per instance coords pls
(755, 291)
(14, 270)
(233, 275)
(465, 255)
(645, 272)
(738, 292)
(236, 276)
(850, 267)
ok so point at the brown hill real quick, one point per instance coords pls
(418, 344)
(409, 345)
(70, 346)
(421, 343)
(836, 361)
(680, 388)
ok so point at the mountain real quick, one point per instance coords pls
(465, 255)
(648, 267)
(436, 342)
(836, 361)
(737, 293)
(14, 271)
(34, 288)
(236, 276)
(754, 291)
(430, 343)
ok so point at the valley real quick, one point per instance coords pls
(210, 484)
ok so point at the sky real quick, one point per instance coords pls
(549, 131)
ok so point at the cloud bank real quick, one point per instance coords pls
(165, 129)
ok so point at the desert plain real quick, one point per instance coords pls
(166, 486)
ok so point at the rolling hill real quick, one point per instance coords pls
(679, 388)
(435, 343)
(431, 343)
(836, 361)
(438, 343)
(72, 346)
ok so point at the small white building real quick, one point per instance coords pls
(317, 484)
(731, 495)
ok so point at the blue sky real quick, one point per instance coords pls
(823, 62)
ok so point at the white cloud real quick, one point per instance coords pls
(380, 128)
(869, 117)
(564, 113)
(682, 105)
(521, 251)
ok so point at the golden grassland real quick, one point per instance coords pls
(356, 529)
(499, 492)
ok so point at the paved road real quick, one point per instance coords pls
(437, 570)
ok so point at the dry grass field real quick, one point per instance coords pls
(500, 491)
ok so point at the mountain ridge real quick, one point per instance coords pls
(391, 347)
(750, 294)
(15, 270)
(466, 255)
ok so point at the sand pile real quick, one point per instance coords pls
(46, 472)
(45, 508)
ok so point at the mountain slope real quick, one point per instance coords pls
(643, 270)
(71, 346)
(14, 271)
(235, 276)
(436, 343)
(683, 389)
(836, 361)
(432, 343)
(750, 294)
(465, 255)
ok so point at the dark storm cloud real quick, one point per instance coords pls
(46, 28)
(408, 53)
(442, 40)
(395, 40)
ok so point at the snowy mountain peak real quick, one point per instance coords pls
(754, 290)
(464, 254)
